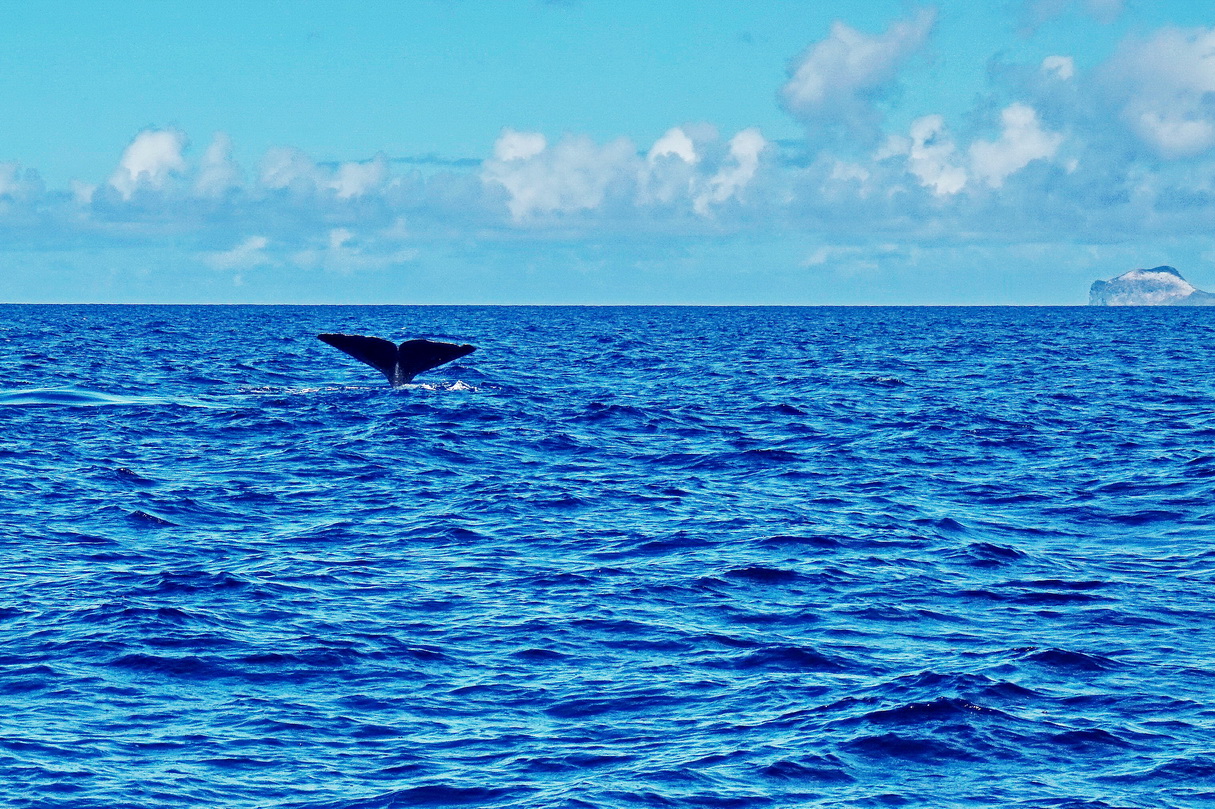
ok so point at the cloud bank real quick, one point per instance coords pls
(1164, 86)
(1121, 151)
(837, 81)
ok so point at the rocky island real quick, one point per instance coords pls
(1159, 286)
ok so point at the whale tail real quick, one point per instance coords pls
(400, 363)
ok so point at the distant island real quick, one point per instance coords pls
(1159, 286)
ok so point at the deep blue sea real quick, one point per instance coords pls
(618, 557)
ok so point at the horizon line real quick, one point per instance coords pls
(622, 305)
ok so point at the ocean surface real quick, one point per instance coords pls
(618, 557)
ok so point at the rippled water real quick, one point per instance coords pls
(615, 558)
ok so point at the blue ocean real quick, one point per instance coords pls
(617, 557)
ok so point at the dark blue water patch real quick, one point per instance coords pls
(811, 768)
(148, 520)
(616, 557)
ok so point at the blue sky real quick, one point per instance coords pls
(521, 151)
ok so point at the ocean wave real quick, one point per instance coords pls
(629, 557)
(81, 397)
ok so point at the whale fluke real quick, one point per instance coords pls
(400, 363)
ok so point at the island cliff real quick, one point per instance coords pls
(1159, 286)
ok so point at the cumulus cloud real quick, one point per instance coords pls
(217, 171)
(674, 142)
(82, 193)
(512, 145)
(17, 183)
(345, 251)
(931, 155)
(745, 150)
(855, 258)
(1166, 84)
(248, 254)
(338, 252)
(156, 157)
(9, 178)
(575, 174)
(1059, 67)
(149, 161)
(356, 179)
(1055, 163)
(1022, 141)
(837, 79)
(287, 168)
(670, 169)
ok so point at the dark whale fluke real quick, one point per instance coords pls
(400, 363)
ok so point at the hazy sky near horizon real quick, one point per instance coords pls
(596, 151)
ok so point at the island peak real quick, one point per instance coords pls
(1158, 286)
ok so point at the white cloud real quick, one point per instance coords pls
(217, 171)
(925, 181)
(288, 167)
(1059, 67)
(573, 175)
(1167, 87)
(849, 258)
(576, 174)
(149, 161)
(1022, 141)
(397, 231)
(836, 79)
(931, 155)
(745, 150)
(82, 193)
(670, 169)
(9, 178)
(849, 172)
(18, 183)
(249, 253)
(674, 142)
(1174, 135)
(345, 252)
(338, 237)
(512, 145)
(356, 179)
(819, 257)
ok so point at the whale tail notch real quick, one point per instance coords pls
(399, 363)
